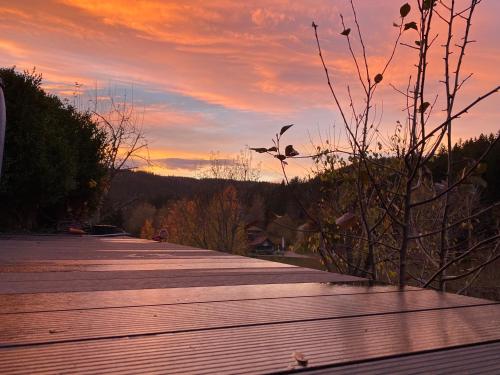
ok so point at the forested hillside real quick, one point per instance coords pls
(133, 191)
(139, 189)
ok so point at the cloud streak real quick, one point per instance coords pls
(188, 164)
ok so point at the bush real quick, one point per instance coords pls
(53, 159)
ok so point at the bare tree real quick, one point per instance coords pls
(122, 123)
(241, 167)
(127, 143)
(386, 228)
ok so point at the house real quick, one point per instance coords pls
(259, 242)
(262, 245)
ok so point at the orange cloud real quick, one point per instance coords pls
(12, 49)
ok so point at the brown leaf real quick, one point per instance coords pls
(285, 128)
(411, 25)
(260, 150)
(404, 10)
(290, 151)
(428, 4)
(300, 358)
(423, 107)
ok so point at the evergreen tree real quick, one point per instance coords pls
(53, 160)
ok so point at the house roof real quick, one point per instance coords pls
(260, 240)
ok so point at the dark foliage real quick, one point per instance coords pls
(53, 157)
(464, 153)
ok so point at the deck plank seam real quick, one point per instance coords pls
(206, 302)
(179, 276)
(340, 282)
(8, 346)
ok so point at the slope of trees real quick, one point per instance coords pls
(130, 188)
(53, 161)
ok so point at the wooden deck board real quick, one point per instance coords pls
(43, 327)
(198, 280)
(16, 303)
(475, 359)
(255, 350)
(122, 305)
(16, 272)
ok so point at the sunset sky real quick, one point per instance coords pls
(218, 75)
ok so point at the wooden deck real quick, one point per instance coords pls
(123, 305)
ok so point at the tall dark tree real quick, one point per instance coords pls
(53, 161)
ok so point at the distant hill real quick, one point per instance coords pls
(157, 190)
(130, 187)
